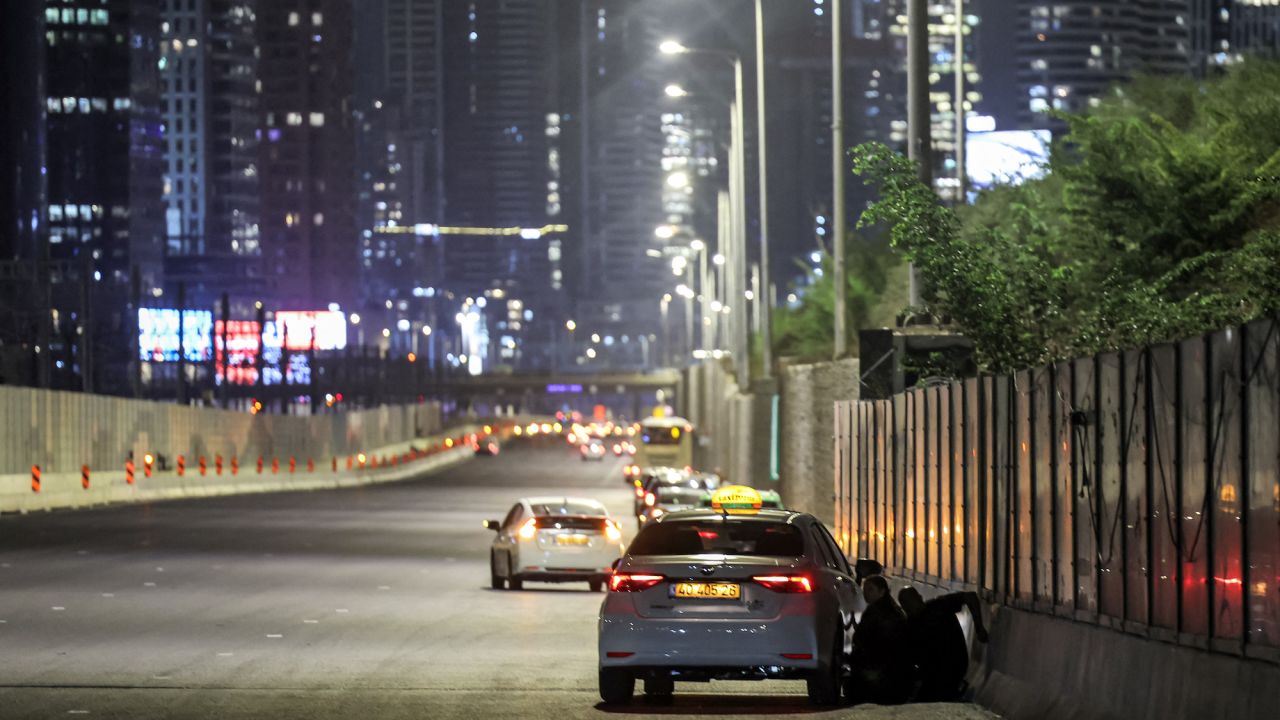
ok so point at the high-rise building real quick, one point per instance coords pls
(620, 118)
(209, 68)
(1071, 52)
(92, 218)
(1224, 31)
(306, 155)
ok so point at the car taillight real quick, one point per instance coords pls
(785, 583)
(612, 531)
(649, 499)
(528, 529)
(624, 582)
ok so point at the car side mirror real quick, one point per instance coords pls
(494, 525)
(866, 567)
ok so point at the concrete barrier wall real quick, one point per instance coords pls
(60, 431)
(64, 490)
(808, 396)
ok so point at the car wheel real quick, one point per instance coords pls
(514, 581)
(595, 585)
(824, 684)
(495, 580)
(659, 687)
(616, 686)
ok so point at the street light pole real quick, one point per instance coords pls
(920, 146)
(961, 174)
(762, 143)
(841, 345)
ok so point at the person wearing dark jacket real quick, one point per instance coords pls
(938, 648)
(881, 662)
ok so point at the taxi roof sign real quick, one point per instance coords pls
(736, 500)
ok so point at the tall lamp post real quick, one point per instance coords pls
(734, 248)
(841, 345)
(764, 309)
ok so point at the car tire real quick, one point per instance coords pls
(595, 585)
(514, 581)
(495, 580)
(659, 687)
(825, 684)
(617, 685)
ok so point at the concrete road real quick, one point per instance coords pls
(371, 602)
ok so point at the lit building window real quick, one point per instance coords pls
(317, 119)
(293, 19)
(317, 19)
(294, 118)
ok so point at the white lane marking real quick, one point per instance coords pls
(225, 654)
(342, 610)
(159, 569)
(311, 622)
(161, 677)
(58, 608)
(77, 712)
(3, 622)
(108, 594)
(5, 565)
(275, 635)
(384, 587)
(148, 584)
(82, 552)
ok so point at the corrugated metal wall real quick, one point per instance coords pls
(1136, 490)
(60, 431)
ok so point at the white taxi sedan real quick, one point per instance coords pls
(554, 539)
(708, 595)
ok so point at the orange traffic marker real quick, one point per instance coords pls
(84, 476)
(35, 478)
(204, 466)
(128, 471)
(182, 466)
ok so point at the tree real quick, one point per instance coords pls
(1158, 217)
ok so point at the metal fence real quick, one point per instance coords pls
(1136, 490)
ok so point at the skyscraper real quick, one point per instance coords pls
(85, 208)
(306, 155)
(1223, 31)
(1070, 53)
(209, 69)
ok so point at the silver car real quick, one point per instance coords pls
(709, 595)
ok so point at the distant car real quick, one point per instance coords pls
(705, 594)
(486, 446)
(554, 539)
(592, 450)
(651, 478)
(663, 499)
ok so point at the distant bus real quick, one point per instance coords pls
(665, 442)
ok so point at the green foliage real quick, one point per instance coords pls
(1158, 217)
(806, 332)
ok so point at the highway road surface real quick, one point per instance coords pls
(369, 602)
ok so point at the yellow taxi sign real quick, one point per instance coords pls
(736, 500)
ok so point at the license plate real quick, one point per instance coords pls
(713, 590)
(572, 540)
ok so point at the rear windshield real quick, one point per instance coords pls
(567, 508)
(661, 436)
(727, 537)
(567, 522)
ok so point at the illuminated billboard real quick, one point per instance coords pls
(158, 335)
(1007, 157)
(328, 326)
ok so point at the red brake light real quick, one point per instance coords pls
(785, 583)
(623, 582)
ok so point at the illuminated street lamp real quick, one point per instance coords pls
(595, 337)
(678, 180)
(426, 330)
(591, 353)
(671, 47)
(675, 91)
(664, 232)
(570, 325)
